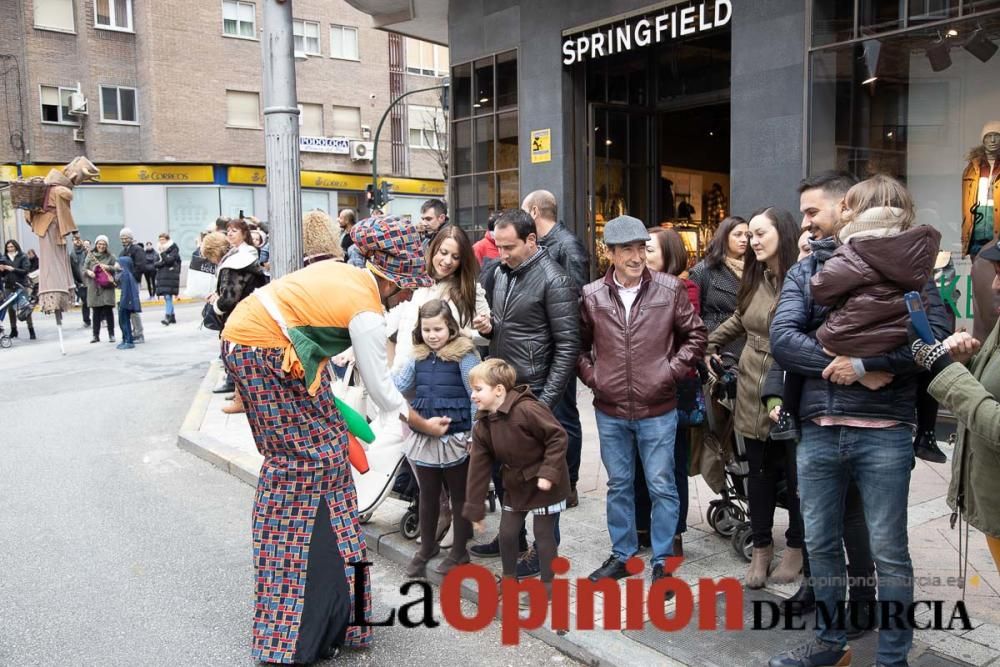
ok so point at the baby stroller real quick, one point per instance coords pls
(729, 515)
(24, 302)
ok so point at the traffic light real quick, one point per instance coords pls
(385, 194)
(370, 195)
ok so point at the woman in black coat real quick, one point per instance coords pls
(168, 276)
(718, 277)
(152, 257)
(14, 269)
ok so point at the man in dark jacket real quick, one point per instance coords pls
(857, 421)
(77, 257)
(433, 216)
(535, 325)
(137, 254)
(639, 336)
(567, 250)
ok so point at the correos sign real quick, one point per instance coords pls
(637, 32)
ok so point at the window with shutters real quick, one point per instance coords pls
(311, 120)
(242, 109)
(54, 15)
(346, 122)
(344, 42)
(118, 105)
(306, 35)
(55, 104)
(239, 19)
(426, 58)
(113, 14)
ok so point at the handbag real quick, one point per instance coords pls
(210, 319)
(199, 284)
(351, 390)
(102, 278)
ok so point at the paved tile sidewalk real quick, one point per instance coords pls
(226, 441)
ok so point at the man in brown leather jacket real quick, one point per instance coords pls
(639, 336)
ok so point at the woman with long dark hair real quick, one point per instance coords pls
(774, 237)
(14, 269)
(718, 276)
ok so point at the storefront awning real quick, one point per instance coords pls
(421, 19)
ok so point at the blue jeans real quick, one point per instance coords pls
(569, 416)
(125, 322)
(168, 299)
(653, 440)
(878, 460)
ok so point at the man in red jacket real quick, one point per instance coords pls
(639, 336)
(486, 247)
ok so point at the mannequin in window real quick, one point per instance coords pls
(716, 204)
(981, 192)
(685, 209)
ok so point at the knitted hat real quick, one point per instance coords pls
(393, 249)
(989, 127)
(100, 237)
(126, 232)
(624, 229)
(876, 221)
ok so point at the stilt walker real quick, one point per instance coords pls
(52, 225)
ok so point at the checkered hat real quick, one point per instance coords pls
(393, 247)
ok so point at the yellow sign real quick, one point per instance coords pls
(541, 145)
(138, 173)
(8, 173)
(327, 180)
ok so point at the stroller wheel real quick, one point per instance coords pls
(409, 525)
(365, 518)
(727, 519)
(5, 341)
(712, 513)
(743, 542)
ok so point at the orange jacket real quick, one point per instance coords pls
(970, 196)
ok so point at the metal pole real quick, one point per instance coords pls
(281, 138)
(381, 122)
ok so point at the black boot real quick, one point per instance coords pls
(173, 320)
(925, 447)
(31, 333)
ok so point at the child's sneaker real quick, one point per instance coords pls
(925, 447)
(785, 428)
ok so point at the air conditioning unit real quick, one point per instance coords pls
(77, 104)
(78, 135)
(362, 150)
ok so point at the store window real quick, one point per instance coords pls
(234, 201)
(313, 201)
(239, 19)
(99, 210)
(484, 136)
(189, 211)
(54, 15)
(913, 104)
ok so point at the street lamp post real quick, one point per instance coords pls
(281, 138)
(378, 132)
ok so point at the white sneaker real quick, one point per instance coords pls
(447, 540)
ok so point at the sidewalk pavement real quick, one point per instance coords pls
(226, 441)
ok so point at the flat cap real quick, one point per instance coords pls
(624, 229)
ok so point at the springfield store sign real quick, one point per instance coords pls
(668, 24)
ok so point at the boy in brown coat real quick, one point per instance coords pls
(519, 432)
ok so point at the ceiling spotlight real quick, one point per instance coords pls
(484, 100)
(952, 33)
(872, 49)
(937, 54)
(979, 46)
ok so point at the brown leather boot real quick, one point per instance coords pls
(760, 563)
(789, 568)
(236, 407)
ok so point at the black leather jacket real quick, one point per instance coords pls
(568, 252)
(795, 348)
(536, 325)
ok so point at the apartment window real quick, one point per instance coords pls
(239, 19)
(484, 139)
(118, 105)
(55, 104)
(344, 42)
(426, 58)
(242, 109)
(306, 37)
(54, 14)
(427, 127)
(346, 122)
(311, 120)
(113, 14)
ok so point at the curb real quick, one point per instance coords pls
(392, 546)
